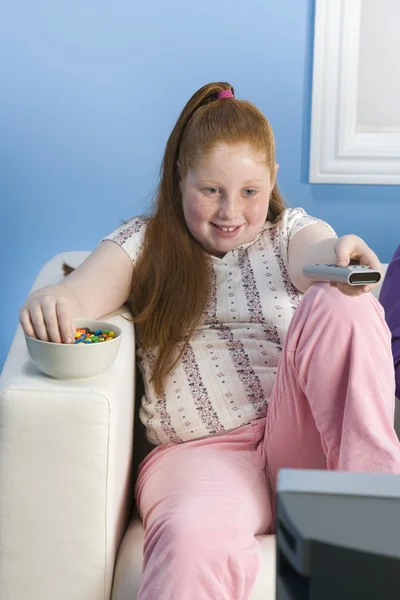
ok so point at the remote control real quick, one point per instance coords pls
(353, 274)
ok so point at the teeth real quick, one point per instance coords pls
(229, 229)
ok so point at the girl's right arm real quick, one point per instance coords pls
(97, 287)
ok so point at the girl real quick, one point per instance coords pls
(247, 366)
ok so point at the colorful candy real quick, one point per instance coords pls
(84, 335)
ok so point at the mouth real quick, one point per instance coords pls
(224, 231)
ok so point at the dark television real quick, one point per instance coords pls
(338, 536)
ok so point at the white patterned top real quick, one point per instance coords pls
(227, 373)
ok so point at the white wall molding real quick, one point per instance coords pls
(342, 150)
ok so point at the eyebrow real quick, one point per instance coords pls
(254, 181)
(214, 181)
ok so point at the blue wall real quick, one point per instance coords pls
(90, 91)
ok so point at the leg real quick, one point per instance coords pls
(201, 503)
(333, 402)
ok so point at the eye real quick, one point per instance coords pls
(250, 192)
(212, 190)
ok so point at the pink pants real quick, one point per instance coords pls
(332, 407)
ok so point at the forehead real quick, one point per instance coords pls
(234, 161)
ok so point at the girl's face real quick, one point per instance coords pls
(226, 196)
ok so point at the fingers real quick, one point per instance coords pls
(370, 259)
(49, 308)
(343, 251)
(65, 322)
(26, 323)
(39, 323)
(351, 247)
(351, 290)
(48, 319)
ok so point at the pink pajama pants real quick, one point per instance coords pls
(332, 407)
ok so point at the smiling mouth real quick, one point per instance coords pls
(226, 229)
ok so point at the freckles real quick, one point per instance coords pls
(257, 211)
(197, 210)
(196, 214)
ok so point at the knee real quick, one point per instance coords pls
(323, 293)
(321, 297)
(197, 549)
(328, 315)
(189, 532)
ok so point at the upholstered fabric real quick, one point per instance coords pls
(66, 478)
(65, 471)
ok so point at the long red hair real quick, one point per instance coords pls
(171, 278)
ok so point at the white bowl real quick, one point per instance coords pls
(75, 361)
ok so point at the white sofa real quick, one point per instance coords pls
(67, 463)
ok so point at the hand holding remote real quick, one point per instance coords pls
(354, 275)
(351, 251)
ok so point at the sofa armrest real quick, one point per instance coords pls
(65, 472)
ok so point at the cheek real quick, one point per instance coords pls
(195, 209)
(258, 212)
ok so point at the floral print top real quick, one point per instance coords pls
(227, 373)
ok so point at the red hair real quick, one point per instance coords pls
(171, 278)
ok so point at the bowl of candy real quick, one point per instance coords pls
(94, 350)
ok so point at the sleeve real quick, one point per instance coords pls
(291, 222)
(297, 218)
(130, 236)
(390, 300)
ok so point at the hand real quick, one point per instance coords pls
(352, 247)
(48, 317)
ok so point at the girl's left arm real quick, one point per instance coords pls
(317, 244)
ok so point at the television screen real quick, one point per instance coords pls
(337, 535)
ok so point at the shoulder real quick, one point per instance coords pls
(128, 229)
(287, 217)
(130, 236)
(291, 220)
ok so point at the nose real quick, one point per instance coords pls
(228, 208)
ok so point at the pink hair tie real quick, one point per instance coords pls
(225, 94)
